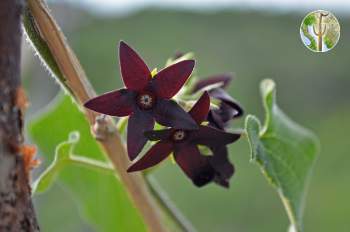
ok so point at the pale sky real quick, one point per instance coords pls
(119, 6)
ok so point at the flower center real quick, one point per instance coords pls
(145, 101)
(179, 135)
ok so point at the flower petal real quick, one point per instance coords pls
(117, 103)
(227, 112)
(222, 80)
(155, 155)
(195, 165)
(219, 118)
(170, 80)
(138, 123)
(155, 135)
(222, 95)
(223, 168)
(215, 120)
(211, 137)
(199, 111)
(135, 72)
(169, 113)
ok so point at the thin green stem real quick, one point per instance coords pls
(91, 164)
(162, 198)
(168, 207)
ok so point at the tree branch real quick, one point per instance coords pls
(16, 208)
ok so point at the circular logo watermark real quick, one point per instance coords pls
(320, 31)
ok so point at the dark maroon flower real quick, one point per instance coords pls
(228, 109)
(201, 169)
(221, 80)
(145, 99)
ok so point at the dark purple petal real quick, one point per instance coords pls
(227, 112)
(195, 165)
(135, 72)
(221, 94)
(155, 155)
(199, 111)
(138, 123)
(155, 135)
(219, 117)
(170, 80)
(212, 137)
(117, 103)
(222, 166)
(215, 120)
(222, 79)
(169, 113)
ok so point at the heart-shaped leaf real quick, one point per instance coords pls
(285, 152)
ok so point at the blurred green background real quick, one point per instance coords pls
(312, 88)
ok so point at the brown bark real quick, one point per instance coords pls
(16, 208)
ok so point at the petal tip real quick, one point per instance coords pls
(206, 99)
(89, 104)
(187, 64)
(231, 137)
(124, 48)
(131, 169)
(134, 71)
(199, 111)
(86, 104)
(123, 44)
(190, 63)
(236, 136)
(225, 184)
(132, 154)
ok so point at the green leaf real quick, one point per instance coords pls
(64, 156)
(285, 152)
(42, 49)
(101, 199)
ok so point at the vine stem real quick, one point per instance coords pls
(97, 165)
(167, 205)
(75, 79)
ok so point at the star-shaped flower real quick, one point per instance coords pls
(145, 99)
(201, 169)
(228, 109)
